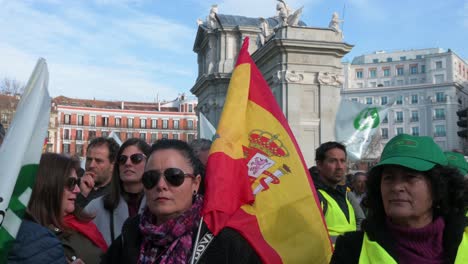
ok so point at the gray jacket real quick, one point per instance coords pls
(102, 219)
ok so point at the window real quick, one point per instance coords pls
(440, 97)
(143, 136)
(389, 59)
(154, 137)
(414, 81)
(143, 123)
(399, 100)
(105, 134)
(386, 72)
(415, 131)
(372, 73)
(118, 122)
(190, 124)
(66, 134)
(369, 100)
(399, 130)
(354, 99)
(92, 121)
(130, 122)
(175, 136)
(359, 74)
(373, 84)
(91, 135)
(190, 108)
(4, 118)
(439, 113)
(414, 116)
(400, 71)
(386, 83)
(129, 135)
(165, 123)
(66, 148)
(105, 121)
(154, 123)
(414, 69)
(400, 82)
(414, 99)
(418, 57)
(79, 150)
(80, 120)
(190, 137)
(66, 119)
(439, 131)
(176, 124)
(383, 100)
(423, 68)
(385, 120)
(403, 58)
(79, 135)
(439, 78)
(384, 133)
(399, 117)
(375, 60)
(438, 64)
(165, 135)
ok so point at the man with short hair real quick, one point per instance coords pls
(358, 185)
(100, 158)
(339, 214)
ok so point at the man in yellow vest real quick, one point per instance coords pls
(339, 214)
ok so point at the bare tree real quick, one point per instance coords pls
(11, 86)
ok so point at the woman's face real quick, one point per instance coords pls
(164, 200)
(131, 170)
(407, 196)
(69, 194)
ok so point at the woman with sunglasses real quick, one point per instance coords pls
(166, 232)
(126, 195)
(52, 205)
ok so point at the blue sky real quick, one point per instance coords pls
(139, 49)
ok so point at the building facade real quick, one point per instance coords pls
(427, 86)
(74, 122)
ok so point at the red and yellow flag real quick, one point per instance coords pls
(257, 182)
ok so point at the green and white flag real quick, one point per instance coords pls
(356, 124)
(20, 154)
(207, 130)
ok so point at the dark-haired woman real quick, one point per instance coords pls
(416, 206)
(126, 196)
(166, 231)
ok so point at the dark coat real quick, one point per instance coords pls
(348, 246)
(77, 246)
(228, 247)
(36, 244)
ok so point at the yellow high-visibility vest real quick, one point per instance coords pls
(336, 220)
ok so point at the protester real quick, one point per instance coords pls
(358, 185)
(201, 147)
(126, 193)
(52, 205)
(337, 209)
(417, 207)
(100, 158)
(166, 231)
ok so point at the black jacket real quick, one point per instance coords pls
(339, 194)
(348, 246)
(227, 247)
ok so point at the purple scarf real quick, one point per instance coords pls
(170, 242)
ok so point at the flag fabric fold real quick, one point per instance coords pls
(256, 180)
(20, 154)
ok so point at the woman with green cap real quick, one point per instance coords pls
(416, 205)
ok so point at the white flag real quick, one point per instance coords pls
(356, 124)
(207, 131)
(20, 153)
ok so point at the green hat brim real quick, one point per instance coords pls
(409, 162)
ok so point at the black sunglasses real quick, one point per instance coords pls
(134, 158)
(173, 176)
(72, 182)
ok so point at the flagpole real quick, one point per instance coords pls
(192, 261)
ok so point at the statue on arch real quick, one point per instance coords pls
(262, 37)
(335, 22)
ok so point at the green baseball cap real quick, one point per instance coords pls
(415, 152)
(458, 161)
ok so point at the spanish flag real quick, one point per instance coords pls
(257, 182)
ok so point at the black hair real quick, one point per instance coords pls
(449, 193)
(109, 142)
(111, 200)
(321, 151)
(185, 149)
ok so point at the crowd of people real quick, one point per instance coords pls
(137, 203)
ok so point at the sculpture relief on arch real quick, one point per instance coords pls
(289, 76)
(329, 78)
